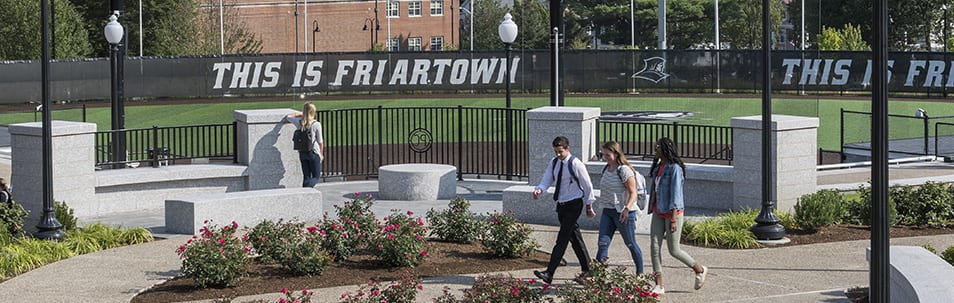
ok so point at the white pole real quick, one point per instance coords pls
(632, 24)
(221, 29)
(718, 47)
(140, 28)
(556, 64)
(304, 25)
(472, 25)
(803, 25)
(388, 16)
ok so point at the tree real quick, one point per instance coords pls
(741, 22)
(173, 27)
(489, 14)
(532, 20)
(847, 38)
(20, 35)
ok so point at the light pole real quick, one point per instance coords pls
(469, 12)
(718, 48)
(766, 223)
(944, 8)
(508, 33)
(313, 32)
(49, 227)
(114, 35)
(368, 21)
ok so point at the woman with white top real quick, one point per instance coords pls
(310, 157)
(620, 188)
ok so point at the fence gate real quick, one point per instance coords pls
(358, 141)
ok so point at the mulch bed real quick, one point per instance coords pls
(838, 233)
(443, 259)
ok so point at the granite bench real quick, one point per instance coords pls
(917, 275)
(417, 182)
(186, 215)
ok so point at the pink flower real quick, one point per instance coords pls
(545, 286)
(420, 286)
(532, 281)
(596, 291)
(322, 233)
(222, 241)
(304, 291)
(181, 249)
(284, 290)
(424, 253)
(282, 300)
(344, 295)
(375, 292)
(420, 222)
(410, 213)
(515, 291)
(334, 226)
(312, 228)
(391, 237)
(234, 225)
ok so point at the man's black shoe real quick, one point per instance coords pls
(542, 275)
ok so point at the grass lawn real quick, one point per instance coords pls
(706, 110)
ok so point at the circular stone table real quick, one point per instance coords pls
(417, 182)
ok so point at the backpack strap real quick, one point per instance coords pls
(569, 168)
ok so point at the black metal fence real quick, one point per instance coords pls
(475, 140)
(701, 143)
(909, 135)
(159, 146)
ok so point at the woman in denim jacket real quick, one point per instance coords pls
(667, 176)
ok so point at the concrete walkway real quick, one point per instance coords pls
(809, 273)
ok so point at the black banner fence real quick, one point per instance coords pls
(612, 71)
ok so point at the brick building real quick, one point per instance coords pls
(287, 26)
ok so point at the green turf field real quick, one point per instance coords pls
(707, 110)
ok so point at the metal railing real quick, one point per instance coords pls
(908, 134)
(157, 146)
(944, 140)
(359, 141)
(697, 142)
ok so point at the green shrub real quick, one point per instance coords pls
(401, 240)
(730, 230)
(611, 285)
(456, 224)
(497, 288)
(336, 240)
(64, 214)
(359, 220)
(215, 258)
(819, 209)
(929, 248)
(136, 236)
(271, 239)
(930, 204)
(504, 237)
(788, 220)
(307, 257)
(402, 290)
(948, 255)
(12, 215)
(859, 211)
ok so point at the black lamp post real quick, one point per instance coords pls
(49, 227)
(367, 22)
(766, 224)
(114, 35)
(944, 29)
(508, 33)
(313, 32)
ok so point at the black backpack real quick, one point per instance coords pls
(302, 140)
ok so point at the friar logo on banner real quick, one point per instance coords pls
(654, 69)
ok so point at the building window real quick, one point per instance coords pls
(414, 8)
(394, 45)
(437, 43)
(414, 44)
(437, 7)
(394, 9)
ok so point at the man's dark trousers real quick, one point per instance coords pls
(568, 213)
